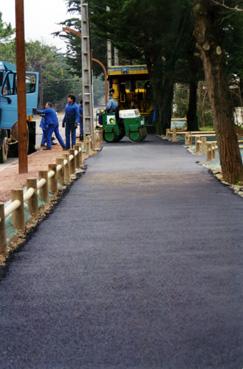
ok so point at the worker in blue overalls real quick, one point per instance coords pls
(71, 120)
(51, 125)
(43, 126)
(112, 105)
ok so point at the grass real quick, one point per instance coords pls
(206, 128)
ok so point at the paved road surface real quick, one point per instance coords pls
(139, 267)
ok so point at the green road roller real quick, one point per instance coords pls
(126, 122)
(134, 124)
(113, 128)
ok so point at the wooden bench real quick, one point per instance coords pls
(172, 134)
(190, 135)
(212, 146)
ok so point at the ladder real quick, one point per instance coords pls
(88, 114)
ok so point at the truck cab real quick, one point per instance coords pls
(9, 107)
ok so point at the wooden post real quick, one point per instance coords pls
(198, 145)
(53, 180)
(78, 162)
(67, 179)
(187, 138)
(33, 201)
(18, 215)
(80, 144)
(3, 240)
(60, 174)
(209, 151)
(213, 151)
(204, 144)
(20, 62)
(44, 191)
(72, 162)
(174, 137)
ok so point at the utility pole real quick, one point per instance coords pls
(116, 56)
(109, 53)
(109, 46)
(20, 62)
(88, 114)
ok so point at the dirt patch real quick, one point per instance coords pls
(11, 179)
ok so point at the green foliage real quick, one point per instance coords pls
(6, 31)
(56, 77)
(181, 95)
(98, 43)
(160, 34)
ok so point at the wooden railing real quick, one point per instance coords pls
(38, 192)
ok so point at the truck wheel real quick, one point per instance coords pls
(4, 150)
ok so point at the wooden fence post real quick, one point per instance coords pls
(60, 174)
(78, 161)
(67, 169)
(3, 240)
(33, 201)
(204, 144)
(18, 214)
(174, 137)
(44, 191)
(73, 162)
(198, 145)
(53, 180)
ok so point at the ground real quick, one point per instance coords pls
(10, 179)
(140, 266)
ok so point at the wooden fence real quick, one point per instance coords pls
(39, 192)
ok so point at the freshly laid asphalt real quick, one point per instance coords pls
(140, 266)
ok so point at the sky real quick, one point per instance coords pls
(41, 19)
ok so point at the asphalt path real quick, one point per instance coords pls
(140, 266)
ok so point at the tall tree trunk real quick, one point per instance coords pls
(163, 93)
(192, 119)
(166, 110)
(213, 59)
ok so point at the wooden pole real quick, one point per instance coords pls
(60, 174)
(44, 191)
(20, 62)
(67, 170)
(33, 201)
(18, 215)
(53, 180)
(73, 161)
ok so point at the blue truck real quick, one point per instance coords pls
(9, 109)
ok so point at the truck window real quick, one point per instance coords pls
(1, 78)
(9, 87)
(30, 83)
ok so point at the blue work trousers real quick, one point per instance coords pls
(44, 137)
(54, 129)
(70, 133)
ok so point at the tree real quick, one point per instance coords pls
(149, 31)
(6, 31)
(57, 79)
(74, 43)
(210, 35)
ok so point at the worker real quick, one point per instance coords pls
(51, 125)
(81, 123)
(112, 105)
(71, 120)
(43, 126)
